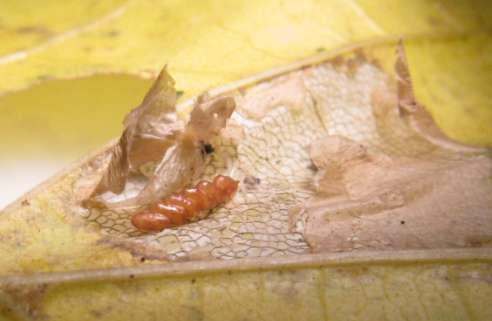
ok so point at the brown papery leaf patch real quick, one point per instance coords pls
(425, 197)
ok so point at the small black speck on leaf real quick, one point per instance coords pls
(402, 222)
(206, 148)
(251, 181)
(142, 259)
(193, 281)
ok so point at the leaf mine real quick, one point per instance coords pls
(332, 157)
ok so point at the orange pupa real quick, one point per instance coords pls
(187, 205)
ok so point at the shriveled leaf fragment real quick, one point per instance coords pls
(437, 194)
(153, 124)
(157, 153)
(186, 158)
(148, 130)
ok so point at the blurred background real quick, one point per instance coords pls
(70, 71)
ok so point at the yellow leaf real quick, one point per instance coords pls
(206, 44)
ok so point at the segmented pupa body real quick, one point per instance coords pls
(187, 205)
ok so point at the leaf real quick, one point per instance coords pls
(435, 283)
(274, 170)
(25, 28)
(113, 44)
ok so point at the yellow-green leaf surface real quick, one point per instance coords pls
(47, 111)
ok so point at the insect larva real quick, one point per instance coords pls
(187, 205)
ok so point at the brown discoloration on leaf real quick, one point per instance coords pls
(27, 299)
(406, 99)
(39, 30)
(436, 194)
(442, 205)
(333, 156)
(353, 63)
